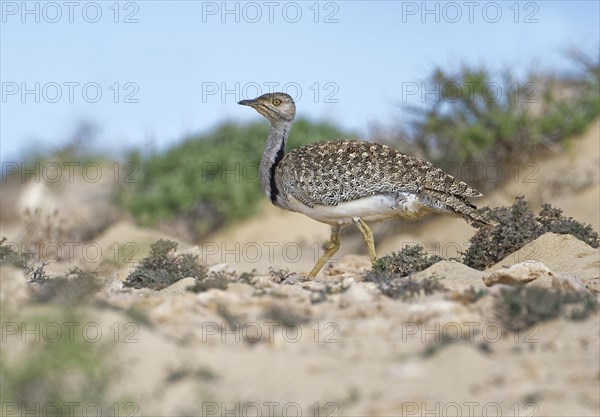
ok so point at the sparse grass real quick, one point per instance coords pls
(521, 307)
(162, 268)
(517, 226)
(409, 260)
(397, 286)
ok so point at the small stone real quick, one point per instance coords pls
(519, 274)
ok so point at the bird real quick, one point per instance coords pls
(343, 182)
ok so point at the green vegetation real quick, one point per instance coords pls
(392, 273)
(521, 307)
(517, 226)
(56, 370)
(480, 118)
(162, 268)
(211, 179)
(409, 260)
(9, 256)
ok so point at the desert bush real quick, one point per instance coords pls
(398, 286)
(162, 268)
(521, 307)
(409, 260)
(9, 256)
(209, 180)
(517, 226)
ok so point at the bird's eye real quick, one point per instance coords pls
(276, 102)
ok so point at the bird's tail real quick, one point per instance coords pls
(462, 207)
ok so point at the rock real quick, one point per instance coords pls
(562, 254)
(534, 273)
(519, 274)
(180, 287)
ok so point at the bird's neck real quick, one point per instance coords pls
(273, 154)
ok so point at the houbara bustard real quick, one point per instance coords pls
(339, 182)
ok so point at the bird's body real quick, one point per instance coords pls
(336, 181)
(339, 182)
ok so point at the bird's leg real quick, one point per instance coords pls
(330, 247)
(367, 236)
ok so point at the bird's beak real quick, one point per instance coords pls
(247, 102)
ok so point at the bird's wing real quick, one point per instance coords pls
(331, 172)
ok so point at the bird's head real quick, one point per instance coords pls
(276, 107)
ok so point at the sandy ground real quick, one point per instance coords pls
(354, 352)
(333, 346)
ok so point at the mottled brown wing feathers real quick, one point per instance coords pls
(331, 172)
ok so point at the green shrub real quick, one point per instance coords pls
(517, 226)
(162, 268)
(409, 260)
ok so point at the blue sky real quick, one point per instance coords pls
(163, 73)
